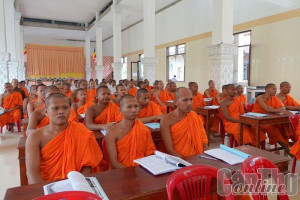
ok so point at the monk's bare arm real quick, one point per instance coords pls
(30, 108)
(150, 119)
(32, 123)
(33, 158)
(25, 103)
(86, 170)
(292, 108)
(1, 100)
(110, 139)
(269, 109)
(89, 121)
(72, 97)
(206, 93)
(155, 94)
(165, 126)
(226, 115)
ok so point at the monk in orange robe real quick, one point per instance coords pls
(232, 108)
(55, 150)
(149, 111)
(171, 89)
(32, 97)
(11, 105)
(38, 118)
(295, 149)
(147, 85)
(182, 130)
(39, 103)
(82, 105)
(240, 94)
(289, 102)
(269, 103)
(103, 114)
(121, 92)
(130, 139)
(81, 84)
(132, 90)
(91, 92)
(67, 89)
(161, 97)
(211, 91)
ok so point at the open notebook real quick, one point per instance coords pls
(229, 155)
(76, 182)
(211, 107)
(153, 125)
(161, 163)
(253, 114)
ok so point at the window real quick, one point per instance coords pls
(176, 62)
(242, 59)
(124, 67)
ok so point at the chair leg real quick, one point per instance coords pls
(1, 129)
(263, 145)
(294, 165)
(231, 140)
(19, 126)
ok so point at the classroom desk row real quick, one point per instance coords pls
(137, 183)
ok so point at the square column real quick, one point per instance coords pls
(87, 50)
(99, 51)
(4, 58)
(2, 28)
(117, 65)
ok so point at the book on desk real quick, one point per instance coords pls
(76, 182)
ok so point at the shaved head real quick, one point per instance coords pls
(122, 100)
(284, 83)
(56, 96)
(141, 92)
(101, 88)
(269, 85)
(179, 90)
(50, 87)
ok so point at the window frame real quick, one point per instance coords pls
(176, 53)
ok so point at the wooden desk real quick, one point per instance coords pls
(272, 119)
(137, 183)
(207, 112)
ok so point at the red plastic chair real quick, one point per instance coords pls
(70, 195)
(18, 127)
(252, 166)
(294, 122)
(232, 141)
(194, 182)
(105, 154)
(249, 107)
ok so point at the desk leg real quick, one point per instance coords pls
(207, 128)
(241, 135)
(168, 109)
(257, 136)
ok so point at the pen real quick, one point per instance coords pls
(200, 156)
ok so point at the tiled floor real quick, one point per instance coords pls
(9, 165)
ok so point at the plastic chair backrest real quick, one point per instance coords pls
(105, 154)
(221, 114)
(70, 195)
(194, 182)
(252, 166)
(249, 107)
(294, 120)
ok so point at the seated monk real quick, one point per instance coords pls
(211, 92)
(232, 108)
(171, 89)
(39, 103)
(161, 96)
(130, 139)
(182, 130)
(269, 103)
(147, 85)
(131, 89)
(289, 102)
(67, 89)
(103, 114)
(38, 118)
(240, 94)
(220, 96)
(121, 92)
(91, 92)
(82, 105)
(22, 86)
(295, 149)
(32, 97)
(11, 104)
(149, 111)
(60, 147)
(198, 100)
(60, 87)
(81, 84)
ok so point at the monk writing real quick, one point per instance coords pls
(121, 92)
(60, 147)
(103, 114)
(130, 139)
(82, 105)
(211, 91)
(182, 130)
(39, 103)
(289, 102)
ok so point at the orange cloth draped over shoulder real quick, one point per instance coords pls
(11, 101)
(25, 91)
(132, 91)
(91, 95)
(163, 97)
(112, 96)
(295, 149)
(136, 144)
(149, 88)
(188, 135)
(235, 109)
(109, 114)
(34, 99)
(215, 120)
(45, 121)
(198, 101)
(69, 93)
(242, 98)
(213, 93)
(82, 109)
(71, 150)
(290, 101)
(151, 110)
(40, 107)
(273, 130)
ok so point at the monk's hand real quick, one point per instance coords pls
(287, 112)
(6, 110)
(107, 126)
(159, 117)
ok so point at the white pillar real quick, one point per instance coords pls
(87, 49)
(2, 28)
(222, 50)
(22, 64)
(99, 51)
(149, 60)
(117, 65)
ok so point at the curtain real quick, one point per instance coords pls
(54, 60)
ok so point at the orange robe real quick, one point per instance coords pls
(151, 110)
(71, 150)
(82, 109)
(25, 91)
(242, 98)
(91, 95)
(295, 149)
(69, 93)
(149, 88)
(188, 135)
(32, 100)
(136, 144)
(272, 130)
(11, 101)
(235, 109)
(109, 114)
(215, 120)
(213, 93)
(290, 101)
(198, 101)
(163, 97)
(132, 91)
